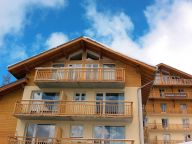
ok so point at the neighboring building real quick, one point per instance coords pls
(78, 92)
(9, 94)
(169, 109)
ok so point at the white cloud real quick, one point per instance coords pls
(13, 14)
(169, 39)
(56, 39)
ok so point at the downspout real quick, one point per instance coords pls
(140, 111)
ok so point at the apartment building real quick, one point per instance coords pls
(169, 109)
(80, 92)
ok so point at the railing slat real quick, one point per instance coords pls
(80, 74)
(111, 108)
(47, 140)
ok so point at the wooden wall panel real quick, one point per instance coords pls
(7, 121)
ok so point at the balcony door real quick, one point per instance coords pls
(44, 101)
(92, 71)
(39, 133)
(110, 103)
(108, 134)
(108, 71)
(58, 71)
(75, 72)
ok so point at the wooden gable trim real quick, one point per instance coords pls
(19, 69)
(12, 86)
(172, 69)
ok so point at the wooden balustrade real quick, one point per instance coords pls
(37, 140)
(169, 127)
(165, 141)
(53, 108)
(171, 95)
(170, 110)
(80, 74)
(169, 80)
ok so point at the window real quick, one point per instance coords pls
(181, 92)
(80, 97)
(109, 132)
(183, 107)
(76, 56)
(75, 72)
(56, 65)
(164, 122)
(187, 137)
(92, 71)
(185, 123)
(49, 105)
(40, 131)
(166, 138)
(110, 103)
(109, 72)
(163, 107)
(92, 56)
(77, 131)
(161, 92)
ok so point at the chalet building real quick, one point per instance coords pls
(81, 92)
(168, 112)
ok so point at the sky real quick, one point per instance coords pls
(153, 31)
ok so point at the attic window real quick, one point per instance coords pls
(92, 56)
(76, 56)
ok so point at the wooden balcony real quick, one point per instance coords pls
(170, 81)
(169, 127)
(170, 111)
(35, 140)
(165, 141)
(171, 95)
(74, 110)
(80, 77)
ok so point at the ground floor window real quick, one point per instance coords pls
(109, 132)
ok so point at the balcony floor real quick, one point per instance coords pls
(80, 84)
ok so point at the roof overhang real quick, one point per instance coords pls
(174, 70)
(12, 86)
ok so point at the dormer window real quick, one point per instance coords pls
(76, 56)
(92, 56)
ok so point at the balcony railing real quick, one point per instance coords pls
(169, 127)
(66, 109)
(171, 95)
(80, 74)
(169, 80)
(36, 140)
(170, 110)
(165, 141)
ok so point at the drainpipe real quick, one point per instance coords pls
(140, 112)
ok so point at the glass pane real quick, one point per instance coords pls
(76, 131)
(30, 130)
(99, 103)
(45, 131)
(58, 65)
(50, 96)
(114, 103)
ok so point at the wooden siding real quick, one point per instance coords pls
(7, 121)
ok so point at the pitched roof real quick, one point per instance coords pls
(20, 69)
(12, 86)
(173, 70)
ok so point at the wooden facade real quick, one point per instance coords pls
(7, 101)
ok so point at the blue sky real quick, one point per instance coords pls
(152, 31)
